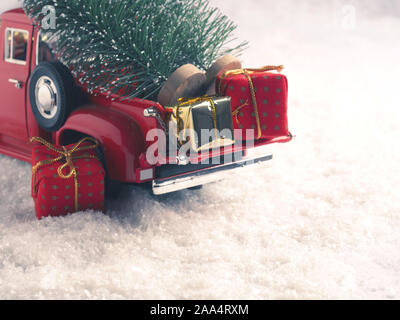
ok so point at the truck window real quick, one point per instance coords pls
(16, 46)
(44, 48)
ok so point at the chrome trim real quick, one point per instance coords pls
(150, 112)
(37, 46)
(46, 97)
(11, 60)
(209, 175)
(18, 84)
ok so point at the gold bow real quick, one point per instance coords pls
(66, 156)
(247, 73)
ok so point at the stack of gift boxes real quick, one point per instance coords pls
(249, 103)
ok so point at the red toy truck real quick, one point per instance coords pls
(39, 97)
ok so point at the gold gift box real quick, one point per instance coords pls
(212, 114)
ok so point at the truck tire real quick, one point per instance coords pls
(52, 94)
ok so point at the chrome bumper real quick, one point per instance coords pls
(205, 176)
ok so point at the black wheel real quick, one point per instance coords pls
(53, 94)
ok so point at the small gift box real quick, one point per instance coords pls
(259, 101)
(204, 122)
(66, 179)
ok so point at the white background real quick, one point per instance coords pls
(323, 223)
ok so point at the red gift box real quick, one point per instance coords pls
(258, 100)
(66, 179)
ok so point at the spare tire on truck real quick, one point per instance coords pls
(52, 94)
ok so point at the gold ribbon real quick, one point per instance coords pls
(66, 156)
(235, 113)
(247, 73)
(190, 101)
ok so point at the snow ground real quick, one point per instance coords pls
(323, 223)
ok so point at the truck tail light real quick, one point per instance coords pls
(146, 174)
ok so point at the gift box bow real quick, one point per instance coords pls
(247, 73)
(66, 157)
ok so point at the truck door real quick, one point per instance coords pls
(14, 75)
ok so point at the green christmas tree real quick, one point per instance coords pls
(131, 47)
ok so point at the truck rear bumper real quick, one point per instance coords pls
(212, 174)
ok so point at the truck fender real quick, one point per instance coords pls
(120, 137)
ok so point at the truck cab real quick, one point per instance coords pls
(121, 126)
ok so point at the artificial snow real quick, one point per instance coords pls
(323, 223)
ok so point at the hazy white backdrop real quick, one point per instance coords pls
(324, 222)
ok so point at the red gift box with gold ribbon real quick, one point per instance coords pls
(259, 100)
(66, 179)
